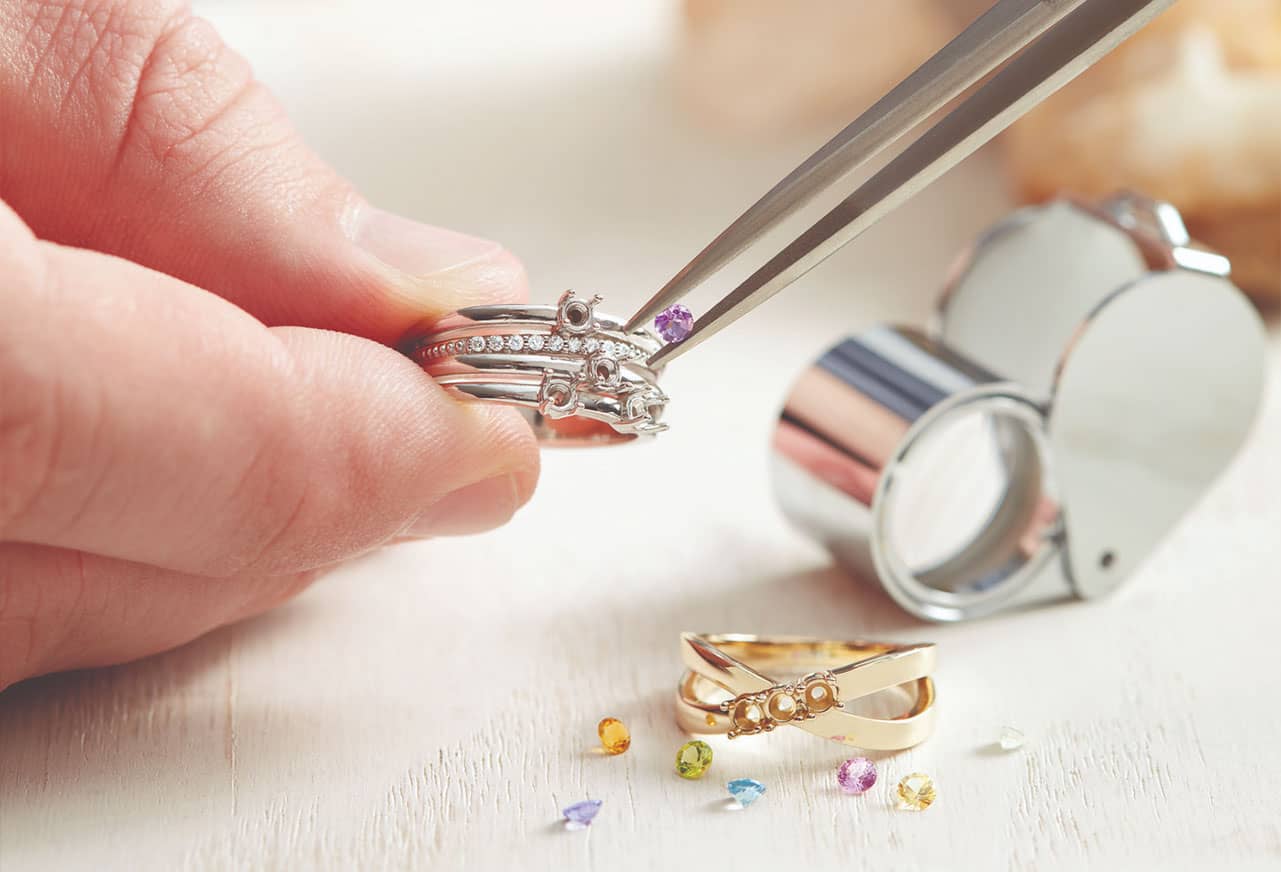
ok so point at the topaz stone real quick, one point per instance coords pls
(581, 814)
(674, 323)
(745, 790)
(856, 775)
(614, 737)
(693, 759)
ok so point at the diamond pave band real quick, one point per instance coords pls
(573, 371)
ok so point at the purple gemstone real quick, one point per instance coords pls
(581, 814)
(856, 775)
(674, 323)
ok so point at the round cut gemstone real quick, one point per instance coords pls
(856, 775)
(916, 792)
(693, 759)
(607, 347)
(494, 343)
(614, 737)
(555, 343)
(581, 814)
(745, 790)
(476, 343)
(674, 323)
(591, 345)
(574, 344)
(535, 342)
(1011, 739)
(515, 343)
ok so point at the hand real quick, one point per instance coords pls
(198, 407)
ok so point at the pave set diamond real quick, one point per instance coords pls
(535, 343)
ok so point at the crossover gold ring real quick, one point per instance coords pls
(872, 695)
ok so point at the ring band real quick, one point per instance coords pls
(575, 373)
(725, 688)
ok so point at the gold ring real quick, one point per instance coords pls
(722, 690)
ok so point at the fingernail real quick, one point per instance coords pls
(472, 509)
(416, 249)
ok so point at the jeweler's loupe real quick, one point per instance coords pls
(1091, 373)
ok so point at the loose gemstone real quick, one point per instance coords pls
(916, 792)
(590, 345)
(574, 344)
(515, 343)
(745, 790)
(674, 323)
(476, 343)
(581, 814)
(495, 343)
(555, 343)
(856, 775)
(535, 342)
(693, 759)
(614, 737)
(1011, 739)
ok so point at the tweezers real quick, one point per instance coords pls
(1043, 45)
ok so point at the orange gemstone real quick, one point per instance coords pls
(614, 737)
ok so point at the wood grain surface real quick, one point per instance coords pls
(434, 705)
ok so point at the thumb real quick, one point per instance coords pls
(152, 141)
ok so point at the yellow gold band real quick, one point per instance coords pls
(728, 688)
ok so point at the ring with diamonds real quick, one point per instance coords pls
(574, 372)
(731, 685)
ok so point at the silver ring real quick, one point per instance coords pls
(575, 373)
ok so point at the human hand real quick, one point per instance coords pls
(199, 410)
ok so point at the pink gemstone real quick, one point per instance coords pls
(674, 323)
(856, 775)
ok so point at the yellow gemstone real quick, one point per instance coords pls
(693, 759)
(711, 720)
(614, 737)
(916, 792)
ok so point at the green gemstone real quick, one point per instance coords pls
(693, 759)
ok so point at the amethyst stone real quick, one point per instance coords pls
(674, 323)
(856, 775)
(580, 814)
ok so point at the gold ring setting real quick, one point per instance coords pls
(838, 692)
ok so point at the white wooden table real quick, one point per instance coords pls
(434, 706)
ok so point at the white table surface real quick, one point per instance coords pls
(434, 706)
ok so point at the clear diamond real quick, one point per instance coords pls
(608, 347)
(495, 343)
(555, 343)
(476, 343)
(535, 342)
(574, 344)
(591, 345)
(515, 343)
(1011, 739)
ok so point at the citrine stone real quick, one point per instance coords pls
(916, 792)
(693, 759)
(614, 737)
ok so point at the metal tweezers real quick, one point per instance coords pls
(1061, 37)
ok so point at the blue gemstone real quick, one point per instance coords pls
(745, 790)
(581, 814)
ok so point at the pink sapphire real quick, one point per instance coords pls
(674, 323)
(856, 775)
